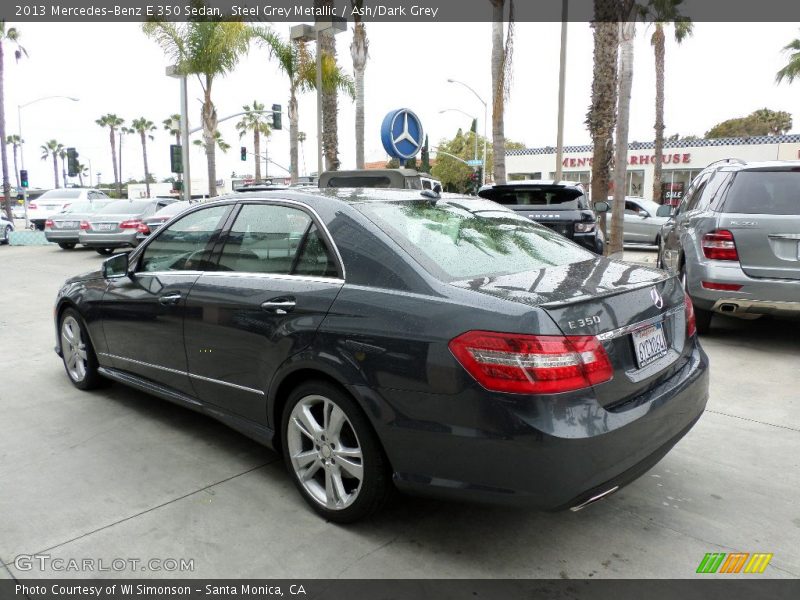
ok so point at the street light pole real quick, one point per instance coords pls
(562, 75)
(485, 120)
(186, 189)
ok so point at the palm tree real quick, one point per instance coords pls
(83, 171)
(207, 49)
(15, 141)
(124, 130)
(113, 122)
(663, 12)
(173, 126)
(501, 81)
(255, 120)
(52, 148)
(220, 143)
(359, 51)
(62, 154)
(301, 137)
(601, 117)
(792, 68)
(10, 35)
(330, 98)
(298, 63)
(145, 130)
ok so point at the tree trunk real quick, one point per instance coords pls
(113, 139)
(64, 170)
(257, 152)
(209, 117)
(498, 93)
(294, 168)
(144, 157)
(602, 112)
(55, 169)
(658, 146)
(627, 34)
(359, 50)
(330, 101)
(119, 185)
(4, 148)
(16, 166)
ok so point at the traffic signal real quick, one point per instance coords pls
(176, 158)
(244, 153)
(72, 162)
(276, 116)
(23, 178)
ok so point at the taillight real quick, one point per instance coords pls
(719, 245)
(85, 225)
(142, 228)
(48, 224)
(691, 323)
(32, 205)
(130, 224)
(532, 364)
(721, 287)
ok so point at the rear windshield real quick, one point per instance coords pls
(467, 238)
(80, 207)
(60, 195)
(359, 181)
(130, 207)
(551, 198)
(172, 209)
(765, 192)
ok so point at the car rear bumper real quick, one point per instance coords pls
(61, 236)
(109, 240)
(757, 296)
(548, 453)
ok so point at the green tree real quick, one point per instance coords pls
(663, 12)
(760, 122)
(330, 96)
(172, 125)
(8, 35)
(51, 149)
(255, 120)
(62, 154)
(145, 129)
(113, 122)
(83, 171)
(359, 52)
(502, 51)
(15, 141)
(792, 68)
(208, 49)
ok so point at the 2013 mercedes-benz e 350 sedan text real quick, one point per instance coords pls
(387, 338)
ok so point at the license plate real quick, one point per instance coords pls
(649, 344)
(68, 224)
(104, 226)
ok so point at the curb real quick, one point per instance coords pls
(28, 238)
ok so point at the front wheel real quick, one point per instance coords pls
(104, 251)
(333, 454)
(66, 245)
(77, 352)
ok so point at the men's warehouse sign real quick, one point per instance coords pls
(633, 159)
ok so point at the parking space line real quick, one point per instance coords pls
(716, 412)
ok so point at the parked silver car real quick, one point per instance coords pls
(53, 202)
(152, 223)
(64, 228)
(735, 240)
(116, 224)
(6, 227)
(642, 224)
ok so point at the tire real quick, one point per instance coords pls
(335, 493)
(6, 234)
(80, 361)
(104, 251)
(66, 245)
(702, 319)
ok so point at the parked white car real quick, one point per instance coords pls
(54, 201)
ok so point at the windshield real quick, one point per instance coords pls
(765, 192)
(80, 207)
(467, 238)
(128, 207)
(60, 195)
(548, 197)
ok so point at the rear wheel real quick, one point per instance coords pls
(333, 454)
(104, 251)
(66, 245)
(77, 352)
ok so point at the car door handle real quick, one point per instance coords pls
(279, 306)
(170, 299)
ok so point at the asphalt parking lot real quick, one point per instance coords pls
(118, 474)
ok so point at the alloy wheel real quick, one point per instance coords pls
(74, 349)
(325, 452)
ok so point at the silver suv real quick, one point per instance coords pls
(735, 240)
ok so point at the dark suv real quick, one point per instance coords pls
(560, 205)
(735, 240)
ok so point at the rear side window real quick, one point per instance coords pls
(470, 238)
(130, 207)
(764, 192)
(541, 198)
(357, 182)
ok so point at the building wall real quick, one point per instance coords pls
(682, 160)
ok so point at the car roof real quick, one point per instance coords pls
(344, 195)
(764, 165)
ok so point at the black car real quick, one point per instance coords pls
(561, 206)
(379, 338)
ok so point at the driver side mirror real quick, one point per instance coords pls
(116, 266)
(644, 214)
(665, 211)
(601, 206)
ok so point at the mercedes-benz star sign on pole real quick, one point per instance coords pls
(401, 134)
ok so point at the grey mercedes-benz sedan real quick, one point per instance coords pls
(64, 228)
(116, 225)
(441, 345)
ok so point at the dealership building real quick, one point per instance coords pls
(682, 160)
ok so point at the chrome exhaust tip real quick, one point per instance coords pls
(594, 499)
(728, 307)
